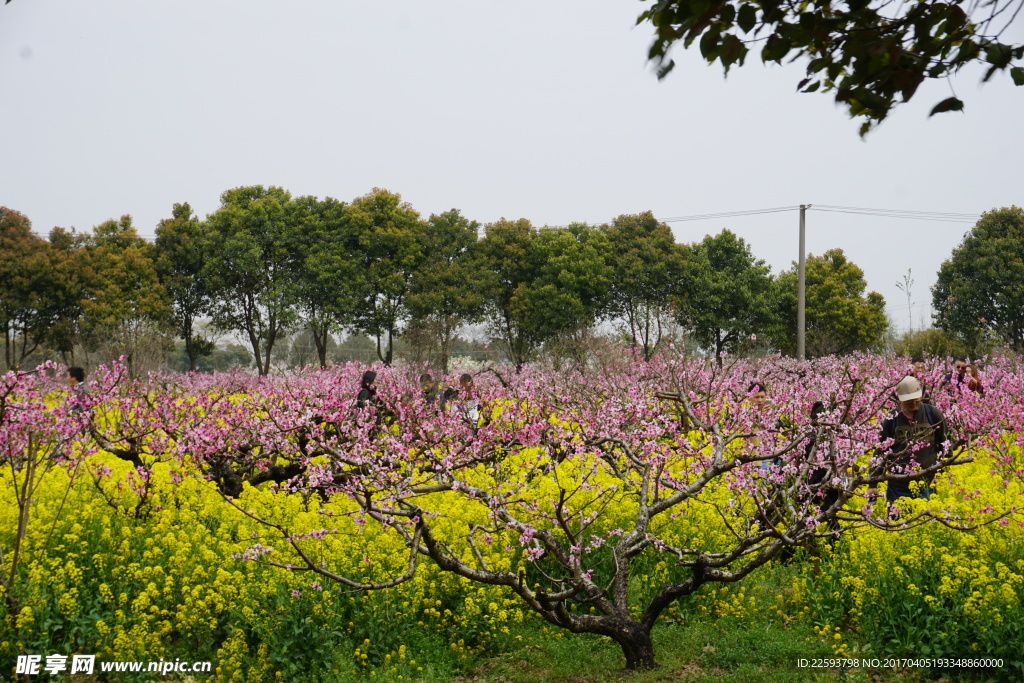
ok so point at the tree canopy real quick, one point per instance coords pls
(841, 318)
(446, 294)
(538, 284)
(126, 303)
(327, 270)
(390, 240)
(265, 265)
(727, 295)
(980, 289)
(182, 249)
(36, 294)
(251, 266)
(646, 264)
(870, 55)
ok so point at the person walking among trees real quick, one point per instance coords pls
(447, 398)
(916, 436)
(917, 369)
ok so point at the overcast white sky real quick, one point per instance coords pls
(546, 110)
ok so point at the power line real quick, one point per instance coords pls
(939, 216)
(904, 307)
(728, 214)
(943, 214)
(936, 216)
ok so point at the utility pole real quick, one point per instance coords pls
(801, 299)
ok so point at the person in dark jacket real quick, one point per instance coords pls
(918, 433)
(367, 389)
(429, 389)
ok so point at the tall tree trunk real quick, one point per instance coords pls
(8, 350)
(446, 338)
(190, 347)
(320, 340)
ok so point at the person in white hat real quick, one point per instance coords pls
(918, 431)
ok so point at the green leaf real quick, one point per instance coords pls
(1017, 74)
(733, 50)
(998, 55)
(709, 45)
(816, 65)
(948, 104)
(747, 18)
(775, 48)
(968, 51)
(871, 100)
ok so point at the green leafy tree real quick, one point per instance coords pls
(870, 55)
(980, 288)
(327, 292)
(71, 265)
(222, 357)
(390, 237)
(127, 311)
(646, 265)
(445, 293)
(840, 317)
(305, 348)
(183, 245)
(726, 294)
(42, 290)
(252, 266)
(571, 283)
(125, 282)
(930, 343)
(35, 293)
(506, 268)
(356, 348)
(538, 284)
(230, 356)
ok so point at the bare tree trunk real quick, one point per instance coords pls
(635, 641)
(190, 347)
(320, 340)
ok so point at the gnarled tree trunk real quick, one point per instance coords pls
(635, 641)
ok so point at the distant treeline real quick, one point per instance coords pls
(266, 265)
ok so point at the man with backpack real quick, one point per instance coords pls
(918, 434)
